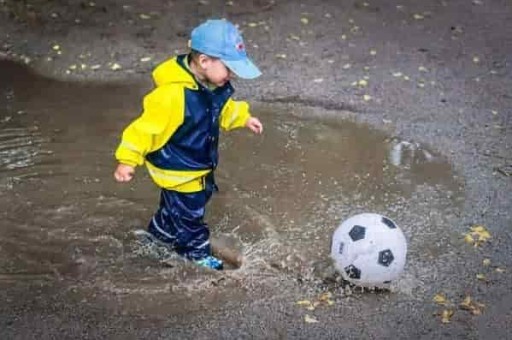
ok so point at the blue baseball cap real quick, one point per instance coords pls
(221, 39)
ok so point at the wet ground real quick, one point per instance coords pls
(429, 147)
(67, 223)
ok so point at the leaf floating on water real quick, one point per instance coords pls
(144, 16)
(115, 67)
(367, 98)
(310, 319)
(304, 20)
(500, 270)
(486, 262)
(418, 17)
(145, 59)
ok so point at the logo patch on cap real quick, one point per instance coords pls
(240, 47)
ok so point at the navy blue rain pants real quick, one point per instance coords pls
(179, 221)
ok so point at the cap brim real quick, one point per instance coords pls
(244, 68)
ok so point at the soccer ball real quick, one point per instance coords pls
(369, 250)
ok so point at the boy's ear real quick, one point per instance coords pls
(203, 60)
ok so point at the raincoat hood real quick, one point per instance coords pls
(172, 72)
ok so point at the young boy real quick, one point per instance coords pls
(176, 136)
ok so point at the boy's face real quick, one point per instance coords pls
(214, 71)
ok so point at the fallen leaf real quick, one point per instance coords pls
(304, 20)
(318, 80)
(367, 98)
(373, 52)
(144, 16)
(343, 37)
(481, 232)
(481, 277)
(476, 59)
(418, 17)
(446, 315)
(466, 303)
(362, 83)
(145, 59)
(469, 239)
(422, 69)
(347, 66)
(281, 56)
(55, 47)
(397, 74)
(486, 262)
(440, 299)
(115, 67)
(500, 270)
(303, 303)
(310, 319)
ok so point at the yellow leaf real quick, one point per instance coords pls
(476, 59)
(343, 37)
(56, 47)
(281, 56)
(373, 52)
(446, 315)
(418, 17)
(318, 80)
(500, 270)
(469, 239)
(252, 24)
(466, 303)
(294, 37)
(347, 66)
(486, 262)
(440, 299)
(304, 20)
(481, 277)
(115, 67)
(145, 59)
(325, 296)
(303, 303)
(422, 69)
(367, 98)
(362, 83)
(144, 16)
(310, 319)
(481, 232)
(397, 74)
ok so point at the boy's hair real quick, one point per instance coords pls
(194, 55)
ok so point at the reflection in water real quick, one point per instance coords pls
(281, 194)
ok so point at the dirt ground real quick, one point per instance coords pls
(434, 72)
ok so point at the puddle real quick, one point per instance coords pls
(281, 195)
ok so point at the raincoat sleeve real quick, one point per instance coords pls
(234, 115)
(144, 134)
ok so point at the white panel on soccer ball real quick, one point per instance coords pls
(369, 249)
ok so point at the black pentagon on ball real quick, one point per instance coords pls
(353, 272)
(340, 248)
(357, 233)
(386, 257)
(388, 222)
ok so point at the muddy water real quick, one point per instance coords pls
(65, 221)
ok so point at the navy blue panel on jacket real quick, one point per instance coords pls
(194, 145)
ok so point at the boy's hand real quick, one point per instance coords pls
(124, 173)
(254, 125)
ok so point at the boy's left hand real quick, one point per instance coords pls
(254, 125)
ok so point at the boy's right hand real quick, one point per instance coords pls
(124, 173)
